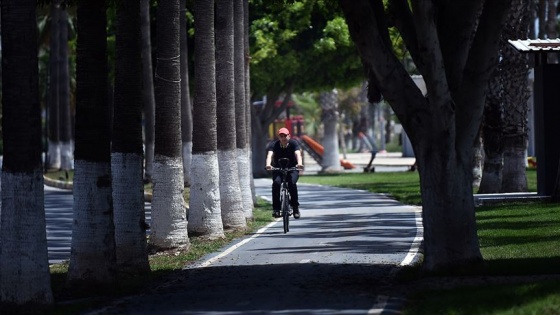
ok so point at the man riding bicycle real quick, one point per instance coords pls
(284, 147)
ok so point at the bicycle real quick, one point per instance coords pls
(286, 208)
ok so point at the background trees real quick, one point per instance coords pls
(301, 47)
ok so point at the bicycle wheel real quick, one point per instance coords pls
(285, 210)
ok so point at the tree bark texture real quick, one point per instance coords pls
(231, 200)
(205, 209)
(454, 46)
(127, 155)
(92, 256)
(169, 217)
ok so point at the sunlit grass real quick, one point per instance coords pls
(519, 239)
(403, 186)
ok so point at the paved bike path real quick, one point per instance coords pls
(334, 260)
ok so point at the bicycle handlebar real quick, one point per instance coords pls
(287, 169)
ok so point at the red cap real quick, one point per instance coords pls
(284, 131)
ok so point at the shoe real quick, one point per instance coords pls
(276, 213)
(296, 213)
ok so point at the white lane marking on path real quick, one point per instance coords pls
(228, 251)
(380, 304)
(416, 242)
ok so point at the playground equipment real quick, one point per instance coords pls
(316, 150)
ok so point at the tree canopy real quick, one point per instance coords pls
(305, 44)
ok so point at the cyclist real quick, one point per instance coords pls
(284, 147)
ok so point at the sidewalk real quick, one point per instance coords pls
(383, 162)
(339, 258)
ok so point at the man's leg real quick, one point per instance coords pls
(292, 186)
(276, 182)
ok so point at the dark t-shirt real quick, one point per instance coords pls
(279, 152)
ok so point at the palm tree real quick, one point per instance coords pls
(242, 110)
(53, 161)
(24, 267)
(92, 256)
(204, 212)
(504, 130)
(60, 136)
(516, 93)
(65, 116)
(230, 193)
(169, 218)
(186, 108)
(148, 98)
(126, 157)
(248, 114)
(492, 135)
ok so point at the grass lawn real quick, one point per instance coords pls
(520, 244)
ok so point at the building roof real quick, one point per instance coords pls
(536, 45)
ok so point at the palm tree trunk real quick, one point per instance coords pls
(492, 135)
(92, 257)
(65, 120)
(516, 94)
(169, 217)
(205, 216)
(241, 110)
(247, 79)
(329, 117)
(24, 267)
(148, 99)
(53, 155)
(186, 108)
(126, 156)
(231, 200)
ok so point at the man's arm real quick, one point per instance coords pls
(299, 160)
(268, 162)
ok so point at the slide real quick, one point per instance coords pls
(316, 150)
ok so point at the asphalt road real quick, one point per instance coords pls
(58, 215)
(334, 260)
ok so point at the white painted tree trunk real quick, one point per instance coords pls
(515, 164)
(231, 200)
(331, 157)
(24, 265)
(169, 216)
(92, 258)
(329, 117)
(67, 156)
(245, 182)
(54, 155)
(129, 214)
(187, 159)
(149, 160)
(205, 215)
